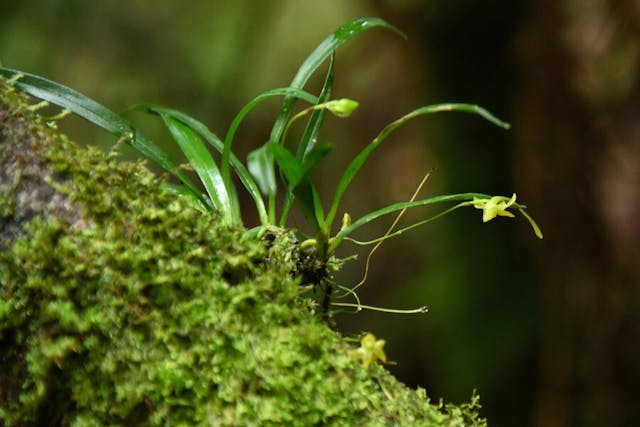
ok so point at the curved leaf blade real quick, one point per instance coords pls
(298, 183)
(228, 140)
(213, 140)
(287, 162)
(260, 165)
(359, 160)
(318, 56)
(70, 99)
(258, 160)
(202, 161)
(307, 143)
(318, 153)
(316, 120)
(463, 197)
(98, 114)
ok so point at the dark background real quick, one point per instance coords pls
(546, 331)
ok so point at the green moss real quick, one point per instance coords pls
(135, 309)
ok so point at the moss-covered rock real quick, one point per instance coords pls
(122, 305)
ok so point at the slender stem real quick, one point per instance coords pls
(272, 209)
(407, 228)
(388, 233)
(423, 309)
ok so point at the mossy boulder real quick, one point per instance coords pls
(120, 304)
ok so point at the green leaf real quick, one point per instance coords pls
(308, 67)
(318, 211)
(260, 165)
(228, 140)
(409, 227)
(398, 207)
(204, 165)
(70, 99)
(306, 192)
(318, 56)
(306, 144)
(265, 179)
(299, 183)
(534, 225)
(357, 162)
(316, 120)
(97, 114)
(217, 144)
(315, 156)
(287, 162)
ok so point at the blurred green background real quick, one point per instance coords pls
(547, 331)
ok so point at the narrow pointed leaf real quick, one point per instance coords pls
(302, 187)
(228, 140)
(299, 184)
(259, 161)
(287, 162)
(398, 207)
(202, 162)
(309, 201)
(70, 99)
(318, 153)
(318, 211)
(534, 225)
(357, 162)
(318, 56)
(316, 120)
(308, 140)
(98, 114)
(260, 165)
(217, 144)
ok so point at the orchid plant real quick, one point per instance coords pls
(274, 168)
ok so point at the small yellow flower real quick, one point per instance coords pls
(495, 206)
(370, 350)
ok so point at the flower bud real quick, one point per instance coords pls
(341, 107)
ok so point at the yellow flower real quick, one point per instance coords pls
(370, 350)
(495, 206)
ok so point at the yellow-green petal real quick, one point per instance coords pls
(370, 350)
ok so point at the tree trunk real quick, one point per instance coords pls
(580, 153)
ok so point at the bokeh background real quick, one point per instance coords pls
(547, 332)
